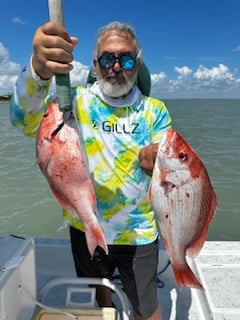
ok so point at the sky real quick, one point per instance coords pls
(191, 47)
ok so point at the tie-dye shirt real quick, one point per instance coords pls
(113, 131)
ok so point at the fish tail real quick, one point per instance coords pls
(185, 277)
(94, 238)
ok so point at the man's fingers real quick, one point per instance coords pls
(52, 28)
(57, 55)
(57, 67)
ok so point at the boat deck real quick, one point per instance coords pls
(217, 266)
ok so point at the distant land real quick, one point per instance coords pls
(5, 98)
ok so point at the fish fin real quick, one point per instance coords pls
(93, 197)
(196, 247)
(213, 205)
(166, 245)
(94, 238)
(185, 277)
(61, 201)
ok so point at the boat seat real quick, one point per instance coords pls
(79, 300)
(79, 314)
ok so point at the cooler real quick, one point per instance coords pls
(17, 278)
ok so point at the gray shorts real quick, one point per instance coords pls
(137, 266)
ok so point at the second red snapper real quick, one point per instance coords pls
(184, 201)
(61, 161)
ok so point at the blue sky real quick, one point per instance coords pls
(191, 47)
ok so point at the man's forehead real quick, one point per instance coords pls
(117, 41)
(116, 33)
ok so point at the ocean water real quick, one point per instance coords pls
(212, 127)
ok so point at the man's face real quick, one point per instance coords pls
(115, 81)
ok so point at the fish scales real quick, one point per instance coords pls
(184, 201)
(60, 159)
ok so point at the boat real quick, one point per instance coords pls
(4, 98)
(38, 282)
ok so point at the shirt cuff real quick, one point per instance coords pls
(36, 77)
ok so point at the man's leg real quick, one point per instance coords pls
(98, 267)
(104, 296)
(138, 272)
(157, 315)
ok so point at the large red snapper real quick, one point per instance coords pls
(184, 201)
(60, 158)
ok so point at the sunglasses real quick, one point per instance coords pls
(108, 60)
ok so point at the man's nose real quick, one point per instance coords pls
(116, 66)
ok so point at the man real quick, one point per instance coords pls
(121, 128)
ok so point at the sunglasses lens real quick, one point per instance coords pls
(127, 62)
(107, 61)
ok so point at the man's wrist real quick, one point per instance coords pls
(36, 76)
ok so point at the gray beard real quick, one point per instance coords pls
(115, 90)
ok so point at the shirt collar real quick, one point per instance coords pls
(121, 102)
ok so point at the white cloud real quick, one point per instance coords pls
(3, 52)
(7, 67)
(8, 71)
(6, 84)
(18, 20)
(237, 49)
(159, 84)
(158, 77)
(215, 82)
(79, 74)
(214, 74)
(183, 71)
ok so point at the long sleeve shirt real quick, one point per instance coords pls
(113, 132)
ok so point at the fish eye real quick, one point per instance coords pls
(183, 156)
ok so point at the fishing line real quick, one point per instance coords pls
(55, 132)
(160, 283)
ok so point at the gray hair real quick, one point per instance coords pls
(121, 28)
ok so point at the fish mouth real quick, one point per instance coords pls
(165, 181)
(165, 153)
(165, 141)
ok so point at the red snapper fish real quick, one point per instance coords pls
(61, 160)
(184, 201)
